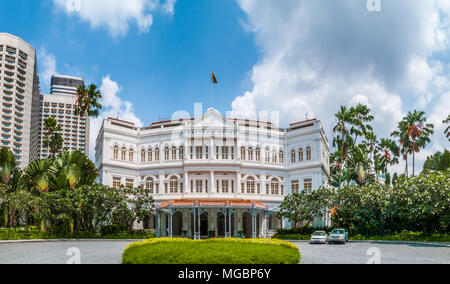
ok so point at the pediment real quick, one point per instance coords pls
(212, 119)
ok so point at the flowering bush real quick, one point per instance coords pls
(418, 204)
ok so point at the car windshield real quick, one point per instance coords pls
(340, 232)
(319, 234)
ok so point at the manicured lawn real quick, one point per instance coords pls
(213, 251)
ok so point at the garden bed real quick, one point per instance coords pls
(212, 251)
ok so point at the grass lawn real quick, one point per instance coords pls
(213, 251)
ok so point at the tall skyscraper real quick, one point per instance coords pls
(61, 104)
(20, 99)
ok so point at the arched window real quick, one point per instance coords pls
(242, 153)
(274, 187)
(267, 155)
(143, 154)
(157, 154)
(250, 185)
(166, 153)
(281, 157)
(174, 153)
(173, 185)
(131, 155)
(300, 155)
(124, 154)
(150, 155)
(181, 153)
(250, 154)
(116, 153)
(150, 185)
(258, 155)
(274, 157)
(308, 153)
(293, 156)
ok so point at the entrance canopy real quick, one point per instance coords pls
(213, 203)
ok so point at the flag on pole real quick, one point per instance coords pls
(213, 78)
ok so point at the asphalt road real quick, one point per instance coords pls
(379, 253)
(110, 252)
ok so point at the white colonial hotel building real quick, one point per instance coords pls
(213, 176)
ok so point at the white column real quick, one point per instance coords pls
(186, 183)
(213, 183)
(161, 183)
(238, 180)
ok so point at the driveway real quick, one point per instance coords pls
(373, 252)
(84, 252)
(110, 252)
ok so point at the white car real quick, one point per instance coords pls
(319, 237)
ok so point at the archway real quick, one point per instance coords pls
(221, 224)
(247, 224)
(204, 228)
(177, 224)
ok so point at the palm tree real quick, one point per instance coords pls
(52, 139)
(361, 118)
(7, 165)
(418, 132)
(447, 130)
(413, 134)
(73, 169)
(38, 174)
(88, 101)
(405, 145)
(343, 141)
(389, 153)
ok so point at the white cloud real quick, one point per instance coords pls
(318, 55)
(47, 66)
(116, 15)
(113, 106)
(169, 6)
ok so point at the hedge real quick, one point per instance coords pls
(34, 233)
(212, 251)
(404, 236)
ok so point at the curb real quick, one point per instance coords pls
(66, 240)
(387, 242)
(404, 243)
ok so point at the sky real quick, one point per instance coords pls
(302, 58)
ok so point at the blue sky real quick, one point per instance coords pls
(298, 57)
(161, 71)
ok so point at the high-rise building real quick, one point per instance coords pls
(20, 99)
(65, 85)
(61, 104)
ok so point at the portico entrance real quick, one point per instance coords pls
(213, 218)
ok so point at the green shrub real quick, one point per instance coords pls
(212, 251)
(405, 236)
(292, 237)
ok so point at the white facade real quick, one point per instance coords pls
(212, 158)
(20, 99)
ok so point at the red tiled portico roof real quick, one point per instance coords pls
(233, 203)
